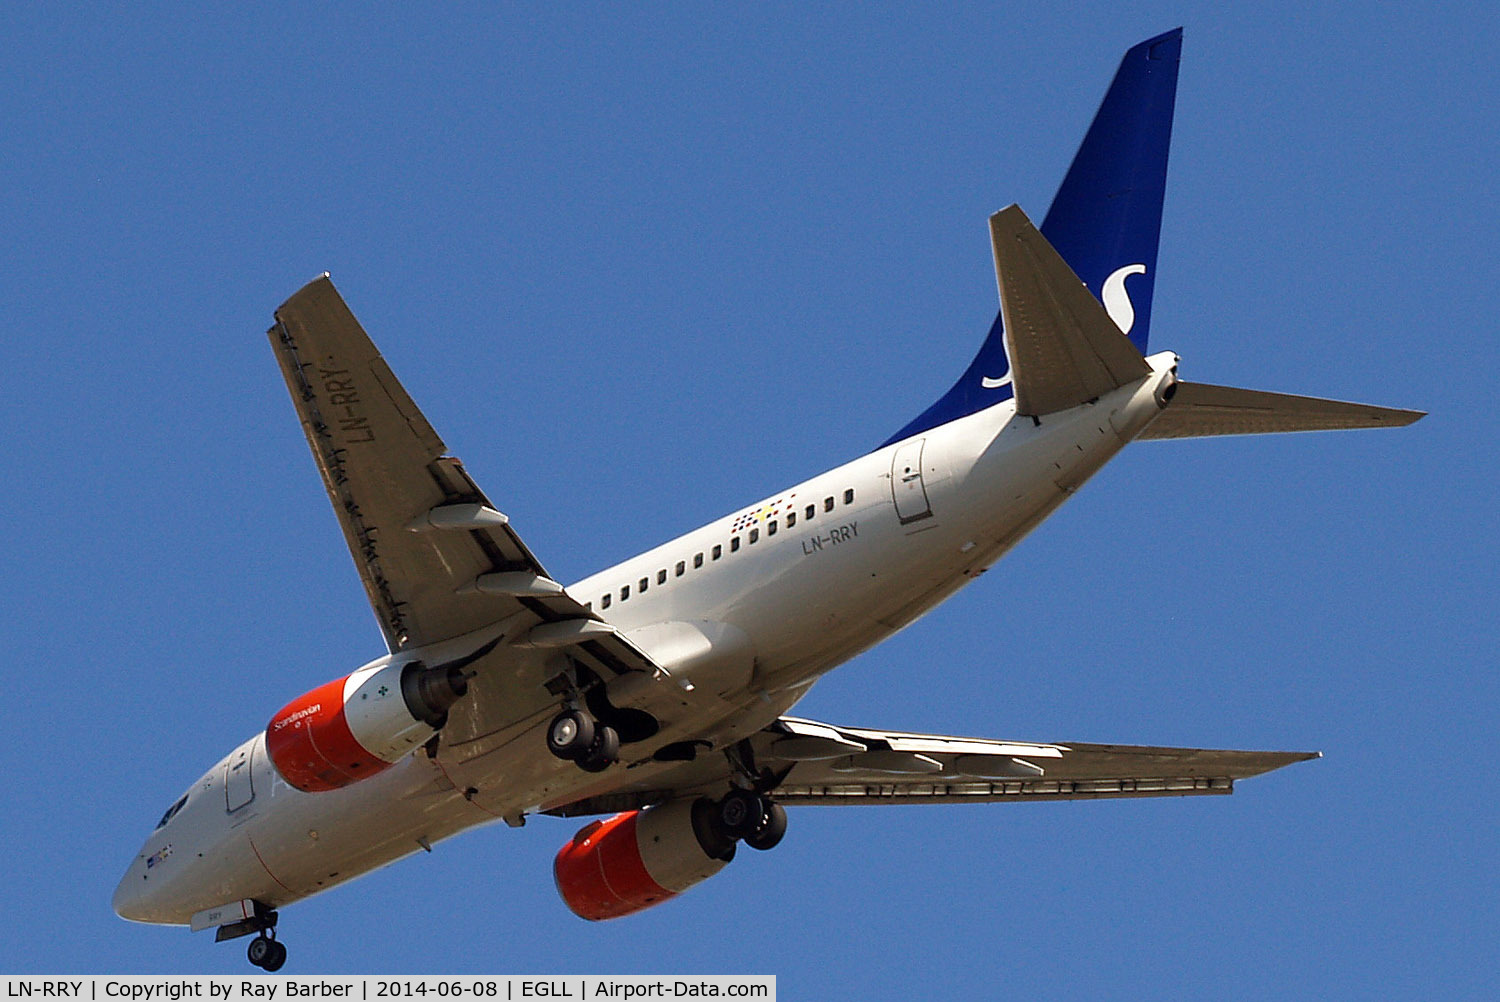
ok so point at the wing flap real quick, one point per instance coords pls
(870, 794)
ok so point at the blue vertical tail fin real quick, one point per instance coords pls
(1105, 220)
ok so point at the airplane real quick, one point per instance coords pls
(656, 693)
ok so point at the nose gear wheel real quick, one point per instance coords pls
(265, 952)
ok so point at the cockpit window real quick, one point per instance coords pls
(171, 812)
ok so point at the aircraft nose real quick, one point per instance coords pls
(128, 894)
(141, 899)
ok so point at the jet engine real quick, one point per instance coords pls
(640, 858)
(358, 725)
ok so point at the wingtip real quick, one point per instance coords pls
(1013, 211)
(1396, 417)
(1272, 761)
(1260, 763)
(320, 281)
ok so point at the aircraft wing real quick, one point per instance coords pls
(816, 763)
(438, 560)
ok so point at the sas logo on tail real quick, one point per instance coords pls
(1116, 303)
(1116, 300)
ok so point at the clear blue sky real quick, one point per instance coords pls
(642, 265)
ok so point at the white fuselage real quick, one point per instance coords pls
(907, 525)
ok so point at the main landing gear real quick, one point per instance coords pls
(575, 736)
(265, 952)
(746, 813)
(739, 816)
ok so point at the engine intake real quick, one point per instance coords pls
(358, 725)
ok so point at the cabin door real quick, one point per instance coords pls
(906, 483)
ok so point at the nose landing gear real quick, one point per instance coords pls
(265, 952)
(259, 921)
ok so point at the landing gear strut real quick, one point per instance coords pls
(577, 737)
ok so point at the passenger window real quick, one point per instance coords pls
(849, 496)
(734, 543)
(604, 602)
(771, 527)
(812, 510)
(624, 592)
(697, 561)
(828, 503)
(754, 535)
(661, 576)
(643, 583)
(791, 519)
(681, 567)
(718, 552)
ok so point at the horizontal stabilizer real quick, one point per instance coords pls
(1064, 348)
(1200, 409)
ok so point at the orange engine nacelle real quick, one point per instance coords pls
(358, 725)
(638, 859)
